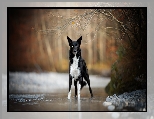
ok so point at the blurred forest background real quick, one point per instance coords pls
(114, 42)
(38, 39)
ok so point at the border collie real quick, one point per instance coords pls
(77, 68)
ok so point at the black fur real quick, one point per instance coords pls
(75, 49)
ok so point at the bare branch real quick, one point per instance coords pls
(109, 14)
(70, 20)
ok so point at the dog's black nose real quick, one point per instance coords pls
(74, 51)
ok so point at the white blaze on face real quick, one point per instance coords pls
(74, 69)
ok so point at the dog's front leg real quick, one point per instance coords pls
(70, 83)
(75, 84)
(79, 87)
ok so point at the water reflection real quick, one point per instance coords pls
(70, 104)
(52, 102)
(75, 104)
(59, 102)
(79, 105)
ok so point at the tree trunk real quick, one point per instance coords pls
(38, 34)
(89, 47)
(102, 44)
(47, 44)
(59, 47)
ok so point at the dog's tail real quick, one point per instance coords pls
(83, 84)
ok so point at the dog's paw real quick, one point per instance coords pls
(78, 96)
(69, 95)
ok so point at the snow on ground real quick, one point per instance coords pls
(135, 99)
(22, 82)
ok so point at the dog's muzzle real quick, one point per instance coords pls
(74, 52)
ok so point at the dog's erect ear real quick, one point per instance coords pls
(79, 40)
(69, 41)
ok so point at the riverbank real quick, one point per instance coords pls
(135, 100)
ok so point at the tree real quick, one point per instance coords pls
(129, 72)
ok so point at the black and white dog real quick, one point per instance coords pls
(77, 68)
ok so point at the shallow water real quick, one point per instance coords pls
(57, 101)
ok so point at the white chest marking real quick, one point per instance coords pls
(74, 69)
